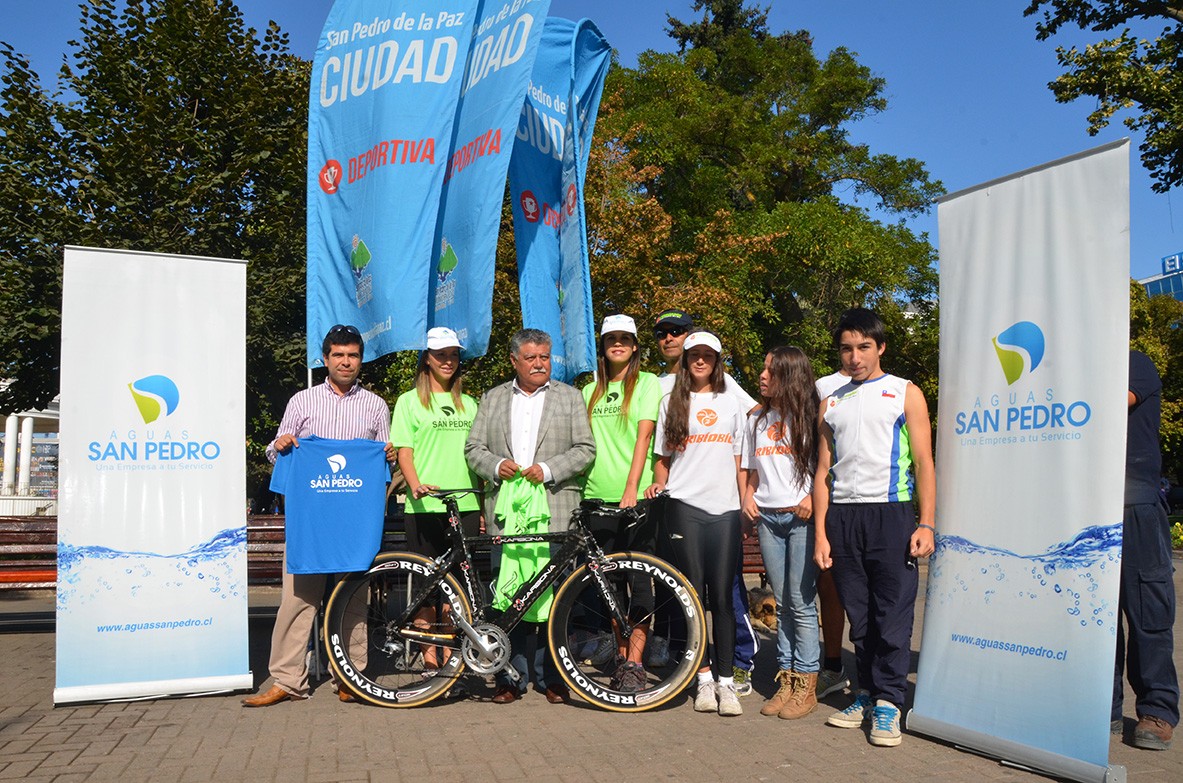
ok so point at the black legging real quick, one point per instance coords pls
(617, 533)
(706, 548)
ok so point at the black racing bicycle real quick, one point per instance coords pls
(382, 650)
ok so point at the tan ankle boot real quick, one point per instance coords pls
(803, 698)
(773, 706)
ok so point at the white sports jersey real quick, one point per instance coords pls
(829, 384)
(872, 454)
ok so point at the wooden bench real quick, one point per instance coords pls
(753, 561)
(28, 552)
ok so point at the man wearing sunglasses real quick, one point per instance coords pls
(341, 409)
(670, 330)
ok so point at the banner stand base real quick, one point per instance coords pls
(144, 691)
(1014, 754)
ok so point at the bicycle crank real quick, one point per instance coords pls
(491, 654)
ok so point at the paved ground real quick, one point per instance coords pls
(215, 739)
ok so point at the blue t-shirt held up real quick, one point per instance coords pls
(335, 493)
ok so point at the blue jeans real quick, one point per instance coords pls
(786, 544)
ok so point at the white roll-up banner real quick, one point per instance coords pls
(152, 579)
(1020, 622)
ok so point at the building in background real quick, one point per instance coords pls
(29, 463)
(1170, 282)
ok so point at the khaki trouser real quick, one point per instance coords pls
(300, 597)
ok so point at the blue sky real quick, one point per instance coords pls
(966, 82)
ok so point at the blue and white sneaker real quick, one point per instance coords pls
(855, 715)
(885, 724)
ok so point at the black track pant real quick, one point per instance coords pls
(706, 548)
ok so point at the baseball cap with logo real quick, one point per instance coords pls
(618, 323)
(703, 338)
(442, 337)
(674, 318)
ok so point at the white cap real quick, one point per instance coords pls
(442, 337)
(702, 338)
(619, 323)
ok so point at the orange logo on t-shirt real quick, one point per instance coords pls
(776, 431)
(707, 417)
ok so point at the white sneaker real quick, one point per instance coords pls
(729, 701)
(885, 724)
(855, 715)
(831, 682)
(706, 700)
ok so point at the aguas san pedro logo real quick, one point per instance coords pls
(165, 445)
(337, 479)
(1029, 409)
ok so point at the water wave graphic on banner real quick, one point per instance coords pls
(87, 575)
(1065, 575)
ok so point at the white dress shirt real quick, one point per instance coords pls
(525, 415)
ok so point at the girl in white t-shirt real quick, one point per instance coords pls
(780, 455)
(699, 439)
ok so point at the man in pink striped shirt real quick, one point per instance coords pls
(339, 408)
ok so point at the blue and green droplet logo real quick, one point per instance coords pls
(1016, 346)
(153, 394)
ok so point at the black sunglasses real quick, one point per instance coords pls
(662, 332)
(345, 328)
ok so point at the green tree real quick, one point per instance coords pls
(1125, 72)
(736, 148)
(178, 130)
(1155, 330)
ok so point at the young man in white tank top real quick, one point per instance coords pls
(875, 432)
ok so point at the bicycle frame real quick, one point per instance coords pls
(574, 543)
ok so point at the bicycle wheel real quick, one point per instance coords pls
(371, 654)
(579, 622)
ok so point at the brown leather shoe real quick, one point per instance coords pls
(346, 696)
(274, 696)
(1152, 733)
(506, 694)
(558, 694)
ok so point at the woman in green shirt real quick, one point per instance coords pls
(429, 427)
(622, 405)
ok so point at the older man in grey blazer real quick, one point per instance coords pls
(537, 427)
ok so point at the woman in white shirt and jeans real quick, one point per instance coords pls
(780, 455)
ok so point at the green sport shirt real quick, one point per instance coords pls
(616, 436)
(437, 436)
